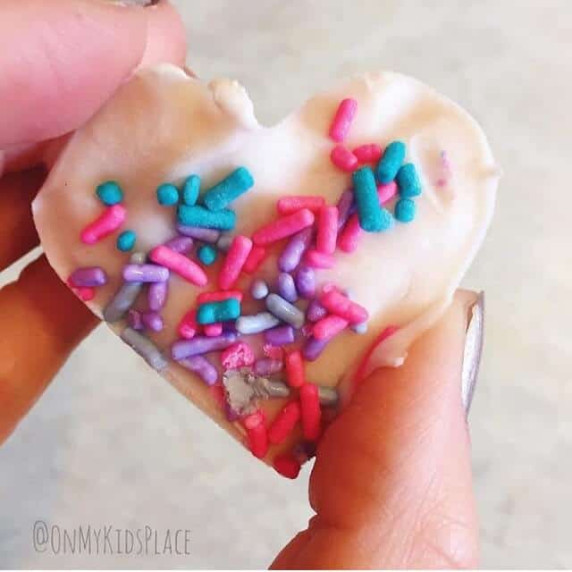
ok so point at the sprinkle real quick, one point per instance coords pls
(315, 311)
(408, 181)
(274, 352)
(328, 327)
(292, 254)
(224, 242)
(257, 436)
(390, 162)
(257, 323)
(180, 244)
(157, 295)
(234, 262)
(125, 297)
(405, 210)
(287, 465)
(255, 259)
(229, 189)
(306, 282)
(328, 396)
(188, 326)
(213, 330)
(345, 204)
(385, 192)
(311, 412)
(292, 203)
(295, 369)
(280, 335)
(344, 159)
(207, 254)
(109, 193)
(327, 230)
(145, 273)
(202, 367)
(90, 277)
(167, 195)
(283, 227)
(85, 294)
(134, 320)
(152, 321)
(126, 241)
(202, 217)
(287, 287)
(285, 311)
(191, 189)
(201, 345)
(106, 224)
(372, 217)
(145, 348)
(259, 289)
(237, 356)
(206, 297)
(231, 414)
(334, 301)
(343, 119)
(267, 366)
(317, 259)
(314, 348)
(360, 328)
(223, 311)
(350, 235)
(284, 423)
(368, 153)
(204, 234)
(180, 264)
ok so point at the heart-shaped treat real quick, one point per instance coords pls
(265, 271)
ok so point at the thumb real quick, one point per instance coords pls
(392, 481)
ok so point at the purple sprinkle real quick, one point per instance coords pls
(180, 244)
(344, 207)
(279, 336)
(287, 287)
(205, 234)
(267, 366)
(89, 277)
(201, 345)
(231, 414)
(292, 254)
(152, 321)
(145, 273)
(313, 348)
(306, 282)
(134, 320)
(202, 367)
(157, 295)
(316, 311)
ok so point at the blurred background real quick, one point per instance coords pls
(111, 443)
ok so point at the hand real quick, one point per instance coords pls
(60, 61)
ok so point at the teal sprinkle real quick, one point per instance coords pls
(229, 189)
(408, 182)
(372, 217)
(109, 193)
(214, 312)
(390, 162)
(207, 254)
(191, 190)
(405, 210)
(168, 195)
(204, 218)
(126, 241)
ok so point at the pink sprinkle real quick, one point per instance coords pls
(368, 153)
(85, 294)
(213, 330)
(317, 259)
(350, 235)
(343, 120)
(235, 259)
(237, 356)
(284, 227)
(328, 327)
(337, 303)
(273, 352)
(111, 219)
(188, 326)
(255, 425)
(291, 204)
(255, 259)
(327, 230)
(344, 159)
(179, 264)
(386, 192)
(208, 297)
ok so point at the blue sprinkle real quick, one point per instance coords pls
(126, 241)
(408, 182)
(405, 210)
(191, 190)
(204, 218)
(390, 162)
(109, 193)
(168, 195)
(372, 217)
(213, 312)
(207, 254)
(229, 189)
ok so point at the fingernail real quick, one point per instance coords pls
(473, 351)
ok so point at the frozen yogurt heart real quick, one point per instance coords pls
(263, 271)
